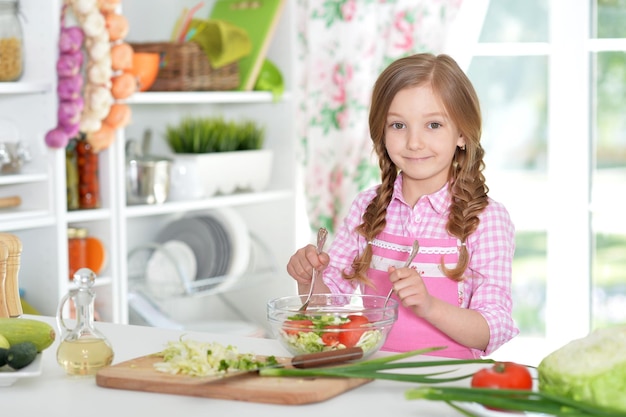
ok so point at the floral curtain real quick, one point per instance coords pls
(342, 47)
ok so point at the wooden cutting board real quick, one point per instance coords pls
(139, 375)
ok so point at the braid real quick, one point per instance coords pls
(374, 220)
(469, 198)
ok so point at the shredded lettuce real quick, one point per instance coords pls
(189, 357)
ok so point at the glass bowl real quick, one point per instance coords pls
(332, 321)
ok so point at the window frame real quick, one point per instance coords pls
(568, 207)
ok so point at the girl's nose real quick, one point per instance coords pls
(414, 141)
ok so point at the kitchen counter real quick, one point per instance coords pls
(56, 394)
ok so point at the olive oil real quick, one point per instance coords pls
(83, 350)
(84, 356)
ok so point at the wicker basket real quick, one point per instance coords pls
(185, 67)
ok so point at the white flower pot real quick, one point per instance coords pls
(204, 175)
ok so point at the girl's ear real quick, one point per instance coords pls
(460, 142)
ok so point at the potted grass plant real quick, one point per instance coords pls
(220, 156)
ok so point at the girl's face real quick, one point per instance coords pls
(420, 140)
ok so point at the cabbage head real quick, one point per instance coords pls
(591, 369)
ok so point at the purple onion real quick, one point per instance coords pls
(57, 138)
(69, 112)
(71, 39)
(69, 64)
(69, 87)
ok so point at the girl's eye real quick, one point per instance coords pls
(397, 125)
(434, 125)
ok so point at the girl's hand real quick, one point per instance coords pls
(302, 263)
(410, 289)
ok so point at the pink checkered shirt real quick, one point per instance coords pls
(487, 286)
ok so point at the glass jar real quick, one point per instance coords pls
(11, 41)
(71, 176)
(77, 249)
(88, 182)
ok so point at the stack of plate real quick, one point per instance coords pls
(215, 244)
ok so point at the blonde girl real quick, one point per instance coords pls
(425, 125)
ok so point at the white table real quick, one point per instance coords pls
(56, 394)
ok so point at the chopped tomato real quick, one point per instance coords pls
(355, 318)
(330, 338)
(353, 330)
(296, 326)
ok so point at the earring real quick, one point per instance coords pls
(462, 147)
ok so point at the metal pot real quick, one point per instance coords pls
(148, 177)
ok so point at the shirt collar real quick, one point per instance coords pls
(439, 200)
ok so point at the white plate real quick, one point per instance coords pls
(222, 242)
(240, 242)
(8, 376)
(165, 266)
(195, 233)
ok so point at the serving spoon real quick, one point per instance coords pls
(414, 250)
(321, 239)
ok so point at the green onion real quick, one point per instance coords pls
(511, 400)
(503, 399)
(377, 369)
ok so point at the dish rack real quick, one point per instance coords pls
(189, 286)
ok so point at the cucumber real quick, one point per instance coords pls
(18, 330)
(3, 356)
(21, 355)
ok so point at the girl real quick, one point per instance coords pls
(425, 124)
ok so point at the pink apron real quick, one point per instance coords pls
(411, 332)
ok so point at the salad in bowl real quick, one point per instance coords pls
(332, 321)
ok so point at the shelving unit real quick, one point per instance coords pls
(42, 221)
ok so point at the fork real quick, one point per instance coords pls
(321, 239)
(414, 250)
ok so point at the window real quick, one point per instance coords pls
(551, 77)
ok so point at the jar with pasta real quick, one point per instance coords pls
(11, 41)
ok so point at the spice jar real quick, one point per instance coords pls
(77, 249)
(88, 183)
(11, 41)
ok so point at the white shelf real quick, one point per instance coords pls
(22, 178)
(20, 87)
(88, 215)
(220, 201)
(23, 219)
(204, 97)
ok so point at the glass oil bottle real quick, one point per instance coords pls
(83, 350)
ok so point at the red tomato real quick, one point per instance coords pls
(353, 330)
(355, 318)
(297, 326)
(507, 375)
(330, 338)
